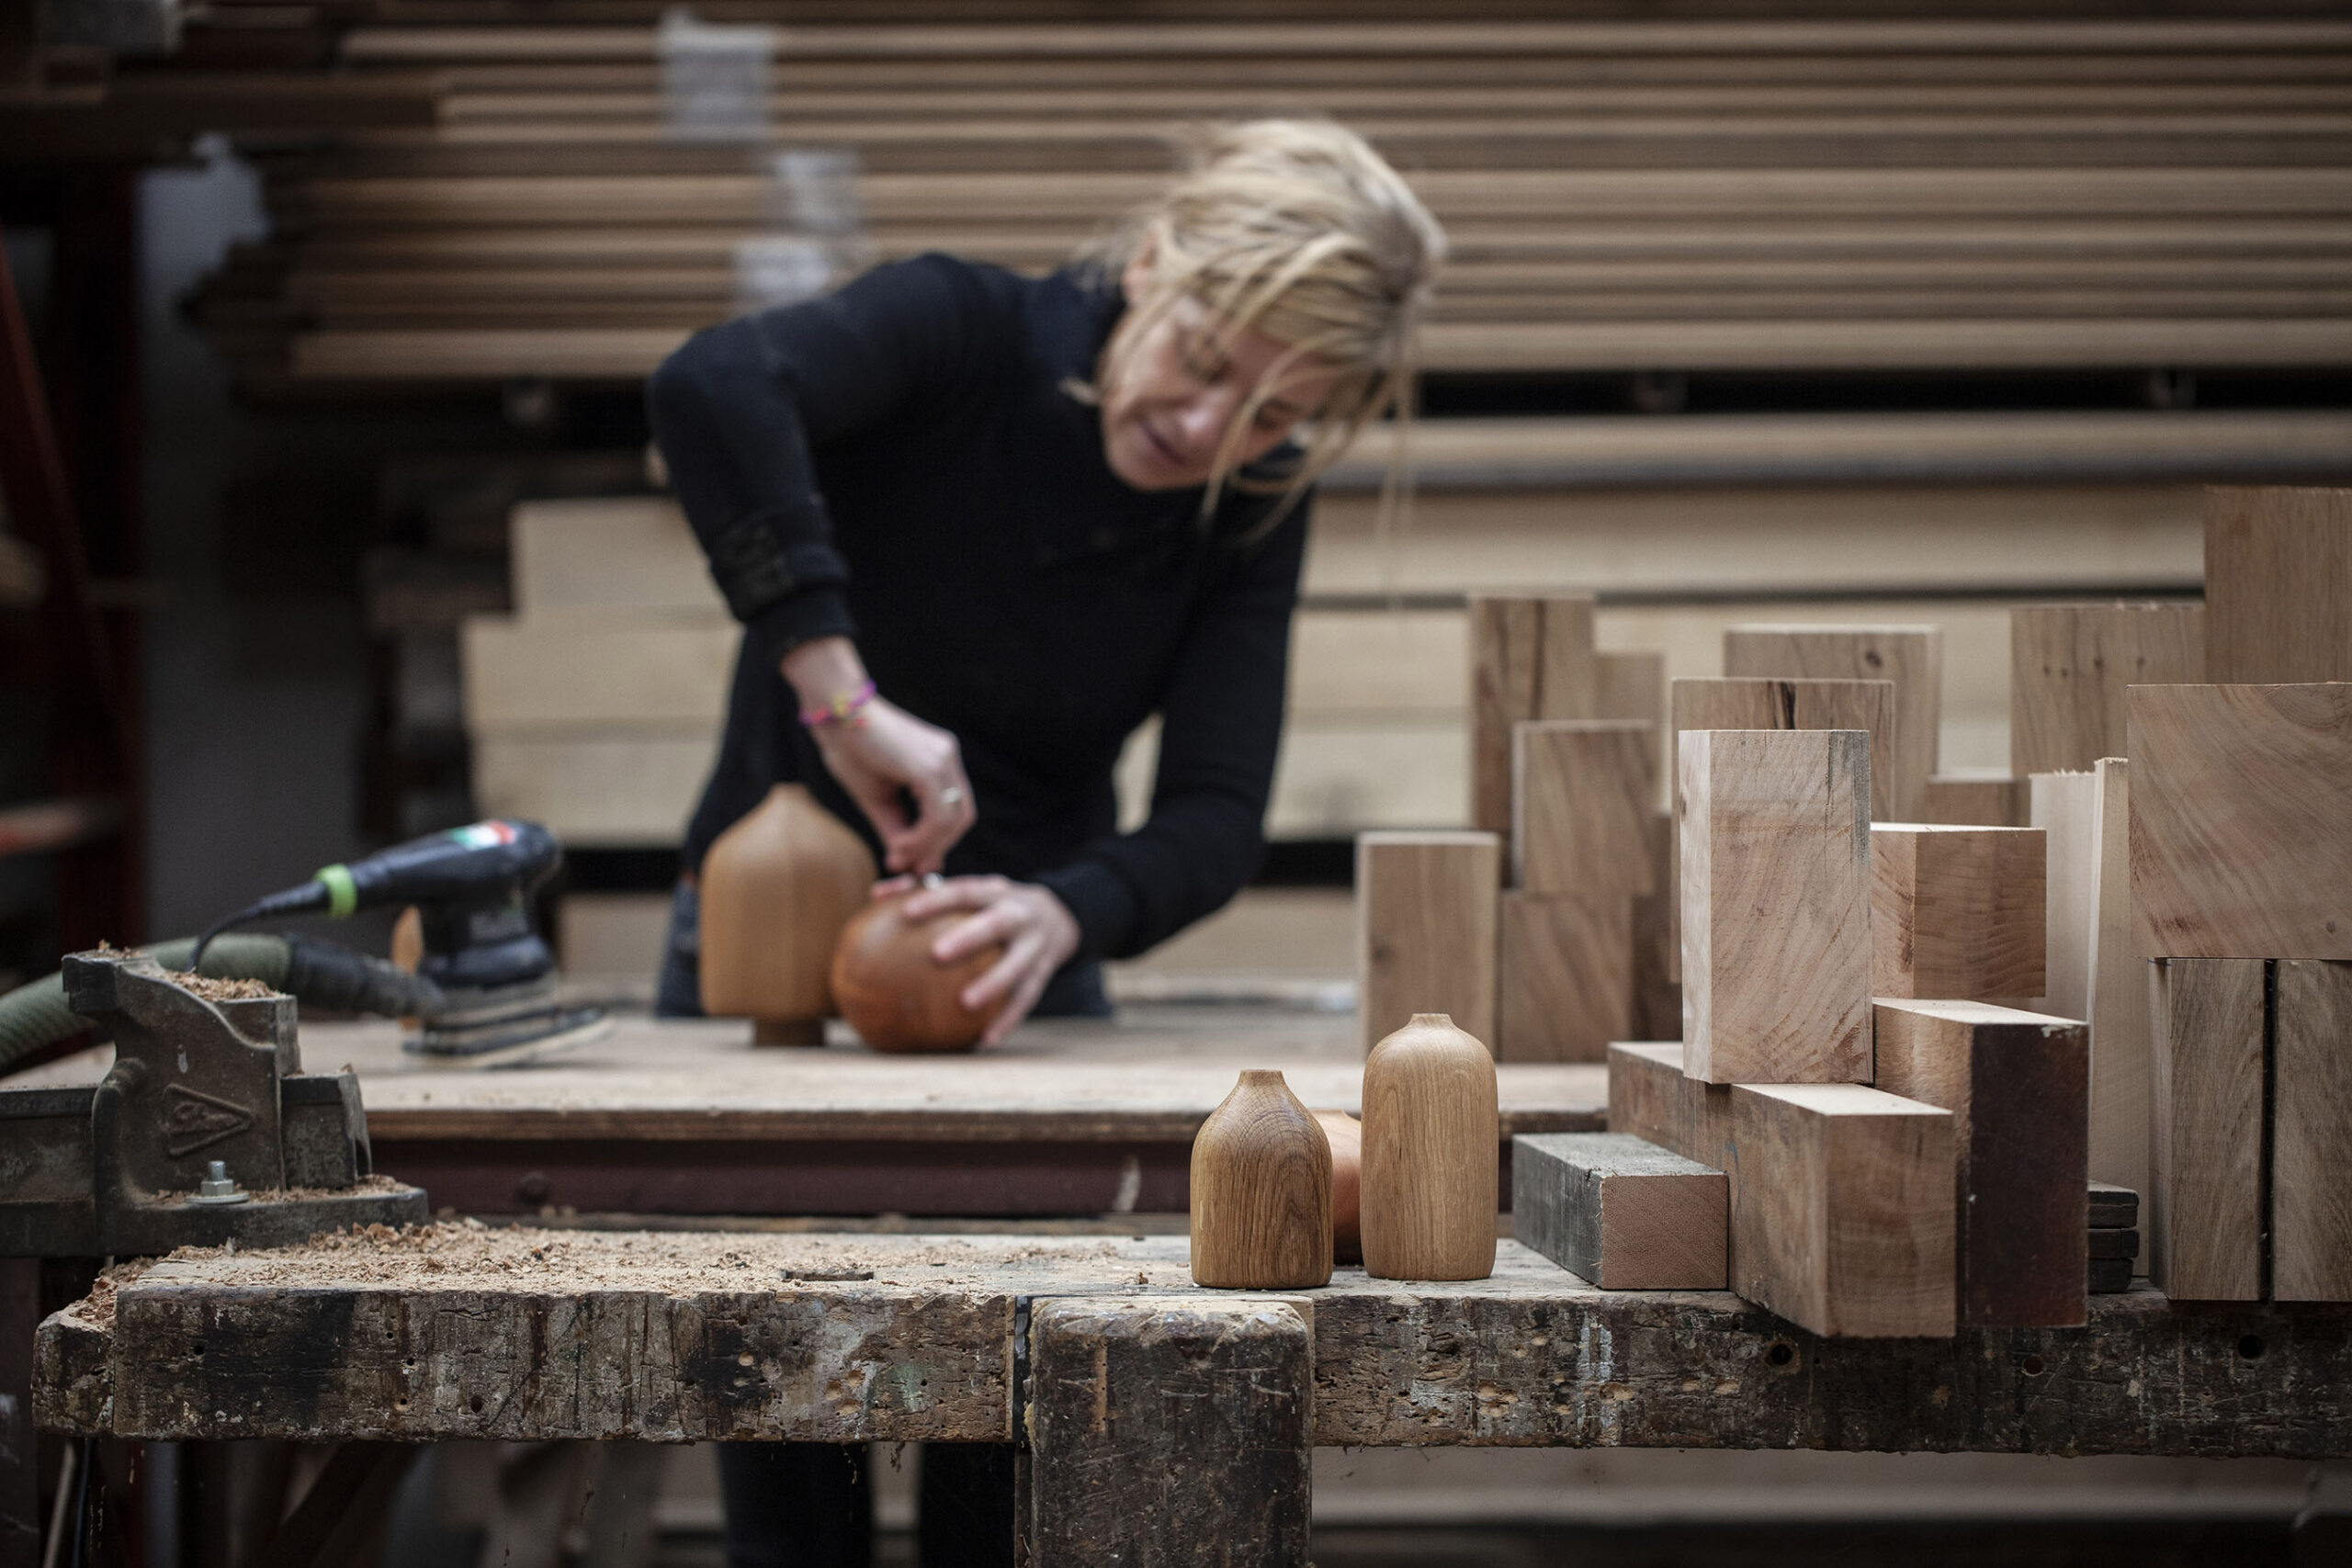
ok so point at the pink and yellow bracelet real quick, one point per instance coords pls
(847, 709)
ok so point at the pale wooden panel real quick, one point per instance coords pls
(1388, 663)
(1956, 912)
(1426, 911)
(2064, 807)
(1332, 780)
(2122, 1044)
(1563, 978)
(587, 669)
(1632, 685)
(2068, 667)
(2279, 584)
(593, 789)
(631, 553)
(2310, 1172)
(1529, 658)
(2204, 1210)
(2240, 798)
(1580, 807)
(1911, 656)
(1974, 800)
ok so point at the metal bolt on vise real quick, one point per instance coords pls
(219, 1186)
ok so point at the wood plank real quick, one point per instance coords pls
(2279, 584)
(1582, 794)
(2311, 1168)
(2064, 805)
(1426, 914)
(1621, 1211)
(621, 552)
(1772, 702)
(586, 669)
(1632, 686)
(595, 788)
(1776, 905)
(1528, 659)
(1565, 981)
(1657, 996)
(2017, 1084)
(1166, 1429)
(2068, 667)
(1650, 1097)
(1842, 1209)
(2238, 801)
(1381, 663)
(1956, 912)
(1976, 800)
(2116, 1007)
(2204, 1210)
(1912, 656)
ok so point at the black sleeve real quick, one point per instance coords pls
(1221, 724)
(737, 408)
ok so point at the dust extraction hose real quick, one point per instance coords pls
(35, 1015)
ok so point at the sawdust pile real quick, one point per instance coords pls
(215, 990)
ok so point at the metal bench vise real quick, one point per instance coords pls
(119, 1167)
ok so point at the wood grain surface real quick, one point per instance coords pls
(1529, 658)
(1657, 958)
(2204, 1210)
(1974, 800)
(1776, 893)
(1956, 912)
(1261, 1190)
(2062, 804)
(2310, 1169)
(894, 993)
(1842, 1209)
(2279, 584)
(1766, 702)
(1430, 1191)
(1582, 793)
(1426, 917)
(2123, 1044)
(2239, 801)
(1621, 1211)
(1565, 982)
(2068, 667)
(2017, 1084)
(777, 888)
(1911, 656)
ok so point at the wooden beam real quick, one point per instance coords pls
(1563, 984)
(2068, 667)
(2015, 1084)
(1970, 800)
(1582, 793)
(1769, 703)
(1657, 996)
(1164, 1429)
(1842, 1209)
(2062, 806)
(1912, 656)
(2310, 1169)
(1776, 952)
(2204, 1210)
(1956, 912)
(2116, 1003)
(1426, 917)
(2239, 799)
(1528, 659)
(1621, 1211)
(2279, 584)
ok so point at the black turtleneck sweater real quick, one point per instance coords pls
(901, 462)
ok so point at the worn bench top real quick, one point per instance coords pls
(460, 1331)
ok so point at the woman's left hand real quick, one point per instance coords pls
(1037, 931)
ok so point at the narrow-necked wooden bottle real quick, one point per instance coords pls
(777, 887)
(1430, 1183)
(1261, 1191)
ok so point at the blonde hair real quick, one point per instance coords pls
(1298, 230)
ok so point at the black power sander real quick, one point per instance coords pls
(488, 979)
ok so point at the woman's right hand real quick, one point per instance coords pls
(885, 750)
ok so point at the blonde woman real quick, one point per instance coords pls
(979, 527)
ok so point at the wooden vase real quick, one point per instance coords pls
(1345, 1134)
(894, 993)
(1430, 1183)
(776, 889)
(1261, 1191)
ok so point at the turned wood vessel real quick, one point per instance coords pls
(1430, 1142)
(1345, 1134)
(777, 887)
(1261, 1191)
(894, 993)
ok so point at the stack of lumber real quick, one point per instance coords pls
(1675, 193)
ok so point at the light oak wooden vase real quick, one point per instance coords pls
(1430, 1140)
(777, 887)
(1261, 1191)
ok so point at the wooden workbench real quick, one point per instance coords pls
(1152, 1411)
(671, 1117)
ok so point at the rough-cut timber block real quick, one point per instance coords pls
(2068, 667)
(1759, 702)
(1911, 656)
(2117, 1006)
(2277, 584)
(2240, 800)
(1842, 1209)
(2205, 1219)
(1650, 1097)
(1166, 1432)
(2310, 1169)
(1657, 994)
(1426, 916)
(1956, 911)
(2063, 806)
(1972, 800)
(2015, 1084)
(1564, 982)
(1528, 659)
(1632, 686)
(1620, 1211)
(1776, 905)
(1582, 794)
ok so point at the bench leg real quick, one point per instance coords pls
(1169, 1433)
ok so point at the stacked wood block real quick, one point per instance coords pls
(1426, 931)
(2240, 849)
(1956, 912)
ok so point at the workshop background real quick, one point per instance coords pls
(1760, 310)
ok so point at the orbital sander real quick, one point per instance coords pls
(485, 987)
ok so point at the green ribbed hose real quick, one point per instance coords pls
(35, 1015)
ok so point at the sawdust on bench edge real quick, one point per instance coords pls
(215, 990)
